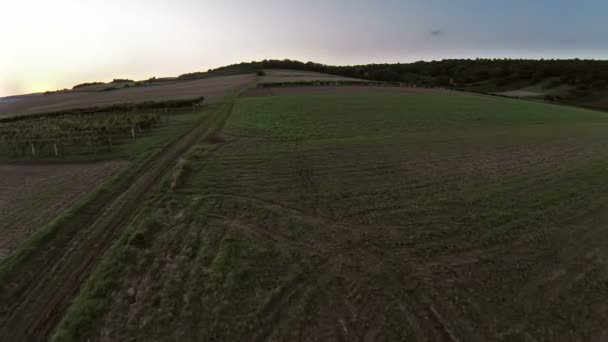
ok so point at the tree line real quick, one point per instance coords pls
(581, 75)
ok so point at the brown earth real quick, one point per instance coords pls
(278, 75)
(31, 195)
(336, 90)
(212, 89)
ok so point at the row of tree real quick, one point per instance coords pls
(583, 76)
(457, 71)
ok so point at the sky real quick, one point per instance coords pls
(55, 44)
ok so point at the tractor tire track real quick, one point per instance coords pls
(328, 268)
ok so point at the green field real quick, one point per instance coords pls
(395, 216)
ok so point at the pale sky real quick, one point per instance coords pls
(54, 44)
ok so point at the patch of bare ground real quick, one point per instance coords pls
(339, 90)
(302, 76)
(31, 195)
(213, 89)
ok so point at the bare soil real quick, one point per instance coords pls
(31, 195)
(212, 89)
(301, 76)
(336, 90)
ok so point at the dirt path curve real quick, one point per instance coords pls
(36, 296)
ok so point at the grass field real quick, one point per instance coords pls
(368, 217)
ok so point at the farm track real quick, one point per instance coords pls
(36, 295)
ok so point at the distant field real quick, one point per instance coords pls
(539, 90)
(100, 87)
(338, 90)
(212, 88)
(521, 93)
(275, 75)
(378, 216)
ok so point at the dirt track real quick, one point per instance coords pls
(35, 297)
